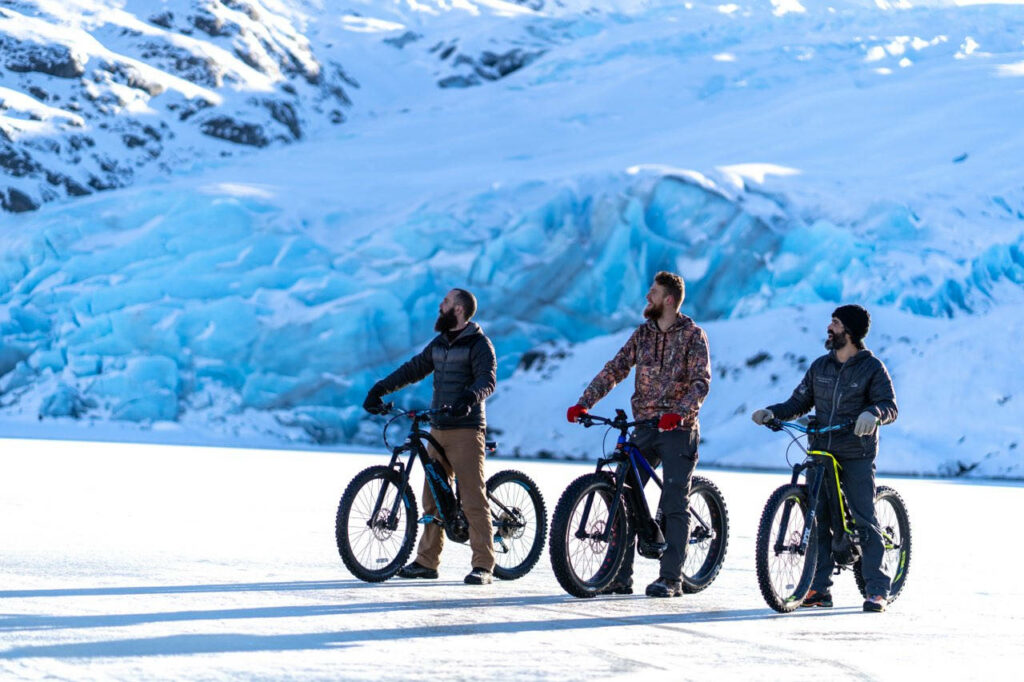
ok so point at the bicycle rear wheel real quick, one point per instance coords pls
(373, 546)
(709, 535)
(783, 573)
(583, 562)
(520, 523)
(894, 522)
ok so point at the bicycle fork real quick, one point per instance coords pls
(814, 490)
(391, 522)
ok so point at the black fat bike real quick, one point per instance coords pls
(787, 548)
(375, 527)
(599, 514)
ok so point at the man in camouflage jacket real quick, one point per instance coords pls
(673, 374)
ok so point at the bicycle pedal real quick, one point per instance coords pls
(651, 550)
(428, 518)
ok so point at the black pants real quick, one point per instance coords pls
(676, 451)
(858, 479)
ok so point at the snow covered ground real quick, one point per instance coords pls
(157, 562)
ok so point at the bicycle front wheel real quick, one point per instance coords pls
(520, 523)
(586, 561)
(894, 523)
(784, 574)
(709, 535)
(372, 543)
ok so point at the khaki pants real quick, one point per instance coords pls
(465, 451)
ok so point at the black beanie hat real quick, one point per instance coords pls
(856, 320)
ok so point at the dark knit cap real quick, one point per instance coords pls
(856, 320)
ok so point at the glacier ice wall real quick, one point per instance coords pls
(148, 304)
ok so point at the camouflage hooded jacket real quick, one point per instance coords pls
(673, 371)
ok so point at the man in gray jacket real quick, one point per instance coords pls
(849, 384)
(462, 360)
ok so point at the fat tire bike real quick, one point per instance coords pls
(598, 515)
(787, 549)
(376, 524)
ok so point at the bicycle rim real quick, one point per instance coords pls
(520, 523)
(709, 536)
(894, 523)
(784, 575)
(586, 565)
(370, 549)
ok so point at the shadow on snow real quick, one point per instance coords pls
(186, 644)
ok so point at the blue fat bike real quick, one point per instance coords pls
(600, 513)
(787, 548)
(376, 524)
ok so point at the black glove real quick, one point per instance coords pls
(464, 405)
(373, 404)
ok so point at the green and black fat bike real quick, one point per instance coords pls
(787, 549)
(375, 527)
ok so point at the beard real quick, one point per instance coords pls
(836, 341)
(653, 312)
(446, 321)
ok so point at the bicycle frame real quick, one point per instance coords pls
(815, 470)
(446, 497)
(627, 455)
(630, 461)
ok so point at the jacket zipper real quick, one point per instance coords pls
(835, 403)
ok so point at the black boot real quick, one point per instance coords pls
(619, 586)
(415, 570)
(665, 587)
(479, 576)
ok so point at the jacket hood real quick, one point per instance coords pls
(859, 357)
(682, 323)
(472, 329)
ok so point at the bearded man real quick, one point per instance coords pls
(673, 375)
(462, 360)
(847, 385)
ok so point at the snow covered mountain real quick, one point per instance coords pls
(96, 95)
(549, 156)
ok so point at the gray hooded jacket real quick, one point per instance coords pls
(838, 393)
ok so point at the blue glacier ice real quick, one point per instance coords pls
(140, 306)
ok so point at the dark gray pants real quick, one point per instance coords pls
(676, 451)
(858, 479)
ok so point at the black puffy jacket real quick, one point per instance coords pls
(838, 393)
(466, 364)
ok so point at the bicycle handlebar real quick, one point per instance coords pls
(588, 420)
(415, 414)
(776, 424)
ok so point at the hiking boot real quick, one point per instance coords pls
(479, 576)
(665, 587)
(815, 598)
(875, 603)
(619, 587)
(415, 570)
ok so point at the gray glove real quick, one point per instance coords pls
(762, 416)
(866, 424)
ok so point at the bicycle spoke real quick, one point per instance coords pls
(372, 544)
(697, 552)
(786, 568)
